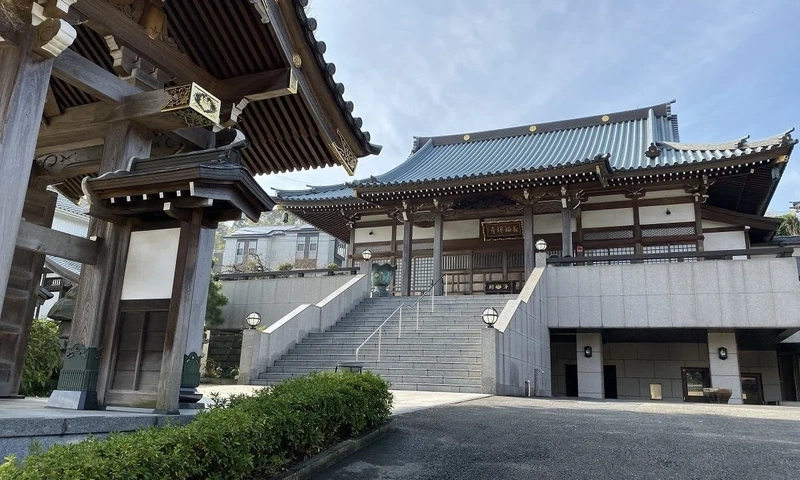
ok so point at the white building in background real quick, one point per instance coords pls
(304, 246)
(61, 274)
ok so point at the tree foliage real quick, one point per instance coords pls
(216, 300)
(790, 225)
(43, 359)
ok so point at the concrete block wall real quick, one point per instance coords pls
(273, 298)
(519, 350)
(765, 363)
(714, 294)
(262, 349)
(640, 364)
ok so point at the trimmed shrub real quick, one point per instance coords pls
(42, 361)
(247, 437)
(285, 266)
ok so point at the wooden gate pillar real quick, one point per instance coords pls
(408, 260)
(99, 290)
(438, 233)
(26, 60)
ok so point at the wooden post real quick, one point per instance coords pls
(24, 80)
(637, 226)
(351, 247)
(190, 378)
(698, 224)
(566, 232)
(407, 259)
(529, 244)
(438, 232)
(97, 303)
(182, 305)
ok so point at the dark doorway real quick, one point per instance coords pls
(571, 372)
(786, 372)
(694, 381)
(610, 380)
(752, 389)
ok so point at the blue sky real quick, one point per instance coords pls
(434, 67)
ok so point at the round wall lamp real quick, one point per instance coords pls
(366, 255)
(723, 353)
(253, 319)
(541, 245)
(489, 317)
(587, 351)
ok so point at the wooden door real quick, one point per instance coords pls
(140, 346)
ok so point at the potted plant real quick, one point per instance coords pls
(717, 395)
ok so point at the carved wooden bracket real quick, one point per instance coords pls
(53, 34)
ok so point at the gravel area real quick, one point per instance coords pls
(502, 437)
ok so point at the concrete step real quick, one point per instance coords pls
(371, 363)
(420, 372)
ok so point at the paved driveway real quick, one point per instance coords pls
(520, 438)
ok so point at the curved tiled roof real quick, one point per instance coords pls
(628, 141)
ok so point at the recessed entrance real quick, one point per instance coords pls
(610, 381)
(752, 389)
(571, 374)
(694, 381)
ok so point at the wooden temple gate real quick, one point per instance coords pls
(132, 104)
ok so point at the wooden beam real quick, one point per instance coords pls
(408, 231)
(89, 77)
(59, 166)
(438, 232)
(35, 238)
(259, 86)
(86, 125)
(112, 20)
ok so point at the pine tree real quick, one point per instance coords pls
(216, 300)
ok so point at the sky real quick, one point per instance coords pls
(436, 67)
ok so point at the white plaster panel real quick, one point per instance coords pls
(619, 197)
(379, 234)
(550, 223)
(724, 241)
(666, 194)
(713, 224)
(459, 229)
(150, 269)
(615, 217)
(683, 212)
(374, 218)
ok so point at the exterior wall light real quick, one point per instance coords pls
(489, 317)
(587, 351)
(541, 245)
(723, 353)
(366, 255)
(253, 319)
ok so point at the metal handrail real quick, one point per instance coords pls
(427, 290)
(379, 330)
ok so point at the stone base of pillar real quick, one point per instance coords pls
(77, 381)
(590, 369)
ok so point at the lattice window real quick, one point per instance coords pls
(487, 260)
(516, 259)
(604, 252)
(607, 234)
(421, 273)
(417, 246)
(455, 262)
(382, 248)
(667, 231)
(673, 248)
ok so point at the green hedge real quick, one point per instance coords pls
(42, 361)
(250, 437)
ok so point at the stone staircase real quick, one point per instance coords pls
(443, 355)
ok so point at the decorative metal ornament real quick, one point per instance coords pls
(466, 137)
(532, 128)
(297, 61)
(193, 104)
(345, 155)
(605, 118)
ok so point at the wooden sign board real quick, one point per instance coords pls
(502, 230)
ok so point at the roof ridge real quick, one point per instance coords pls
(660, 110)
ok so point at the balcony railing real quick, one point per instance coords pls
(779, 252)
(319, 272)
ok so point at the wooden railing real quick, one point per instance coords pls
(672, 256)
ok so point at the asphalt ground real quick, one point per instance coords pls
(522, 438)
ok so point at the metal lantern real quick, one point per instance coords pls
(489, 316)
(723, 353)
(541, 245)
(253, 319)
(587, 351)
(367, 255)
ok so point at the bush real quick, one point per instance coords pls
(246, 437)
(42, 361)
(285, 266)
(332, 266)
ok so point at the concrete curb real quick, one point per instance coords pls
(333, 455)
